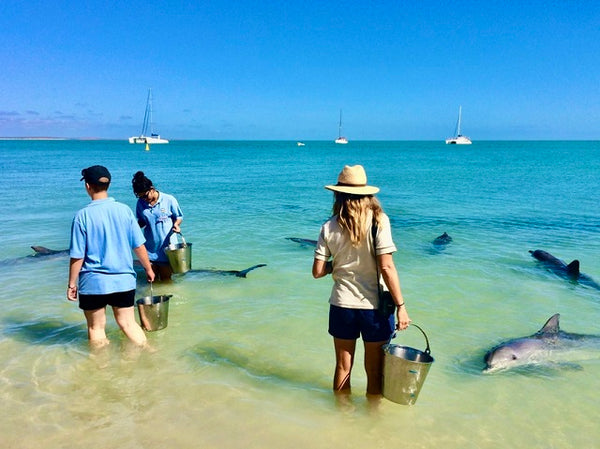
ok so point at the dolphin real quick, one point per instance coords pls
(439, 243)
(240, 274)
(41, 251)
(303, 242)
(442, 240)
(560, 268)
(547, 346)
(258, 366)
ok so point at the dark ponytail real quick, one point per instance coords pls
(140, 183)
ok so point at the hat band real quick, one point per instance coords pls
(343, 184)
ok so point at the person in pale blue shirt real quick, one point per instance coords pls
(159, 215)
(103, 235)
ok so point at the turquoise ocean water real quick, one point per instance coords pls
(248, 362)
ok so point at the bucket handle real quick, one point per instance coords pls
(428, 349)
(172, 233)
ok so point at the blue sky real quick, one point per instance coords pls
(283, 70)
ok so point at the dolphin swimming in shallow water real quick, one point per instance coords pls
(548, 345)
(303, 242)
(240, 274)
(439, 243)
(41, 251)
(442, 240)
(560, 268)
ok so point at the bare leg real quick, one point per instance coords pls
(344, 359)
(125, 317)
(96, 324)
(374, 366)
(162, 271)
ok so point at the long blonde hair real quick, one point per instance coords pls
(353, 214)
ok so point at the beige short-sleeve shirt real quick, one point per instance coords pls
(354, 268)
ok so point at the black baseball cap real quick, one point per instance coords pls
(96, 174)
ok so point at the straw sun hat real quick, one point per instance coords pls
(353, 179)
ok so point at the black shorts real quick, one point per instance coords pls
(118, 299)
(349, 324)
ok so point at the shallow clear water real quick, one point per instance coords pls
(248, 362)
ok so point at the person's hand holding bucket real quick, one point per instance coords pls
(402, 319)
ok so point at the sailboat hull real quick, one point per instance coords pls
(459, 140)
(143, 139)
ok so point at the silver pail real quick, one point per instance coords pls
(404, 371)
(154, 312)
(179, 255)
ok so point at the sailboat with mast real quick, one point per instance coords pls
(458, 138)
(341, 139)
(148, 125)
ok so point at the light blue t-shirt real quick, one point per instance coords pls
(103, 234)
(158, 220)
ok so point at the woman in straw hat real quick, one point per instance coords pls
(346, 239)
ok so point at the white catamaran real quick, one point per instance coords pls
(143, 137)
(341, 139)
(458, 138)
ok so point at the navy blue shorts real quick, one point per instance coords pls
(349, 324)
(118, 299)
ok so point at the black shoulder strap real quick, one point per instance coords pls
(374, 244)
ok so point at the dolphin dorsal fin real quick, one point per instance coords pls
(41, 250)
(551, 326)
(573, 268)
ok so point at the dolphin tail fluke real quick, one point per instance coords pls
(243, 273)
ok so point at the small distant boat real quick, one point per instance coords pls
(458, 138)
(300, 144)
(148, 124)
(341, 139)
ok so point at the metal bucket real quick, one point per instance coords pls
(404, 371)
(179, 255)
(154, 312)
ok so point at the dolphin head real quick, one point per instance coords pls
(518, 352)
(503, 356)
(521, 351)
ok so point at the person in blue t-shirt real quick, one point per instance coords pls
(103, 234)
(159, 215)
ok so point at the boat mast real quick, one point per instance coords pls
(458, 123)
(150, 107)
(147, 113)
(340, 126)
